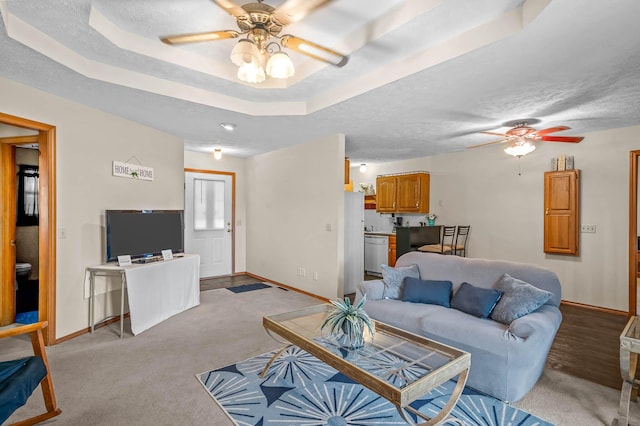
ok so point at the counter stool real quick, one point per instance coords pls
(446, 242)
(460, 245)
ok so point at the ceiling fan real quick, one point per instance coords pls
(262, 24)
(522, 136)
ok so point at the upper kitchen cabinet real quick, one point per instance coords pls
(403, 193)
(561, 218)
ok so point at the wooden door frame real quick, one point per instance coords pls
(233, 209)
(46, 140)
(633, 230)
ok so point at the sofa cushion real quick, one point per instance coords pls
(427, 291)
(476, 301)
(520, 298)
(394, 277)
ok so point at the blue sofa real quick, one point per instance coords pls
(506, 360)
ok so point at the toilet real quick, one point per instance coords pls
(22, 271)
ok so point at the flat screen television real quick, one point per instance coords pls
(143, 233)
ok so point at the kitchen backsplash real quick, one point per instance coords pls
(385, 223)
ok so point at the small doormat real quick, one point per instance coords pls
(248, 287)
(299, 389)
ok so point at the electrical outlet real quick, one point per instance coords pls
(590, 229)
(302, 272)
(316, 276)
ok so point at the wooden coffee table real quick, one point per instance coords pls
(430, 363)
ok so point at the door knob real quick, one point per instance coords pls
(13, 243)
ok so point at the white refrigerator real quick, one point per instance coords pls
(353, 240)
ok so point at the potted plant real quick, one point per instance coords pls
(431, 218)
(347, 322)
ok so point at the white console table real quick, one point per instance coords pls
(156, 290)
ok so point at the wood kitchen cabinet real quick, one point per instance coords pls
(392, 251)
(404, 193)
(561, 212)
(369, 202)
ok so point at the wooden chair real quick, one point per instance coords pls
(446, 242)
(19, 378)
(460, 244)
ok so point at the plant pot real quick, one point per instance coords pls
(431, 222)
(350, 338)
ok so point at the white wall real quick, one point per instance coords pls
(88, 141)
(293, 194)
(204, 161)
(482, 188)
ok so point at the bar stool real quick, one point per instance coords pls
(446, 242)
(460, 245)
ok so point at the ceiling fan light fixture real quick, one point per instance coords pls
(520, 147)
(245, 52)
(217, 153)
(251, 73)
(280, 65)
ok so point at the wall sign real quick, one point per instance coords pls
(132, 171)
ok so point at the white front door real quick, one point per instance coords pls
(208, 221)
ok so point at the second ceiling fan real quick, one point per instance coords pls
(521, 138)
(261, 51)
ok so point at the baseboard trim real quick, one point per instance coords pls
(306, 293)
(88, 329)
(595, 308)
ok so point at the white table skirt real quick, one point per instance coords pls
(162, 289)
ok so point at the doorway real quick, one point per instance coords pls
(634, 238)
(45, 138)
(209, 219)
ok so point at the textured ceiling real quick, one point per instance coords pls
(423, 78)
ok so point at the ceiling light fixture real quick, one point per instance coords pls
(260, 54)
(363, 168)
(256, 58)
(520, 147)
(217, 153)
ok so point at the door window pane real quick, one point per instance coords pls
(208, 205)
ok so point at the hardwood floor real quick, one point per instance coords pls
(224, 282)
(587, 344)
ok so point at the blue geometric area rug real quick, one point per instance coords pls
(300, 390)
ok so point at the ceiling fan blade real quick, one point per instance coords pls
(199, 37)
(294, 10)
(488, 143)
(572, 139)
(495, 134)
(314, 50)
(233, 9)
(551, 130)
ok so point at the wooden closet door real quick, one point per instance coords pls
(561, 218)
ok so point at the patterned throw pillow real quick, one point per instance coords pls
(520, 298)
(393, 279)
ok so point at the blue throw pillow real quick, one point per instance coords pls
(394, 277)
(427, 291)
(476, 301)
(520, 298)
